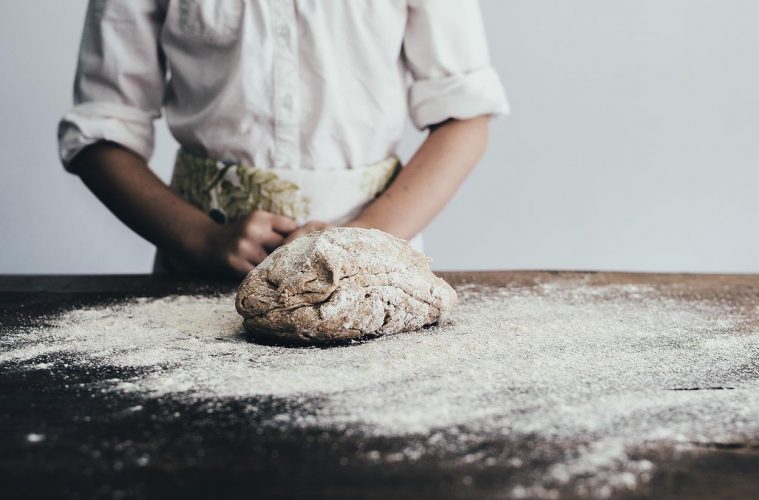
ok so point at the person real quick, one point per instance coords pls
(288, 114)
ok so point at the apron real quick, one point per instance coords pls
(227, 191)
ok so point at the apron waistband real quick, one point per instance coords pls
(228, 191)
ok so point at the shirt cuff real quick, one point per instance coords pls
(92, 122)
(462, 96)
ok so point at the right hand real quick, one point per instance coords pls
(240, 246)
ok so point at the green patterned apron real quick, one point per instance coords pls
(227, 191)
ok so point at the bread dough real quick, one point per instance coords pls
(342, 284)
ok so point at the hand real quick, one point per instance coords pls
(242, 245)
(308, 227)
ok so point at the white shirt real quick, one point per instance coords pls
(314, 84)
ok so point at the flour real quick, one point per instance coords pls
(589, 373)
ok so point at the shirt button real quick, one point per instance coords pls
(283, 31)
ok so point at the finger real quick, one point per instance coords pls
(259, 215)
(240, 265)
(282, 224)
(260, 230)
(254, 229)
(272, 240)
(251, 251)
(295, 235)
(257, 218)
(257, 255)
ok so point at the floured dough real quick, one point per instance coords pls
(341, 284)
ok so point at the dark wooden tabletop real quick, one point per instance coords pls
(199, 456)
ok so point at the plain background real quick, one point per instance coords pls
(633, 143)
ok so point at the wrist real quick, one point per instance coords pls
(197, 243)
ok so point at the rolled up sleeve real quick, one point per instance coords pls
(446, 53)
(120, 79)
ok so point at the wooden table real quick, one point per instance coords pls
(221, 457)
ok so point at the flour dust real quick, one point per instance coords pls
(590, 373)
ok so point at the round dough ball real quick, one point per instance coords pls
(342, 284)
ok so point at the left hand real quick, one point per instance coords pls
(308, 227)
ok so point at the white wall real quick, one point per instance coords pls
(633, 143)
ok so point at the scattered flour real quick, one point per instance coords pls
(35, 438)
(595, 371)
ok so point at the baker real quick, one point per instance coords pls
(288, 114)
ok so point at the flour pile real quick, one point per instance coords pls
(598, 371)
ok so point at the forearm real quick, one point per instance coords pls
(126, 185)
(430, 179)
